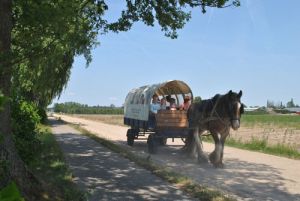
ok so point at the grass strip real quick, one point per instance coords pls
(261, 145)
(50, 168)
(182, 182)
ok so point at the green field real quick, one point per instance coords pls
(281, 121)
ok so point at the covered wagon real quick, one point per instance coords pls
(168, 123)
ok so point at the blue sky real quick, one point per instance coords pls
(254, 48)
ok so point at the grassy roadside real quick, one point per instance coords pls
(261, 146)
(182, 182)
(50, 168)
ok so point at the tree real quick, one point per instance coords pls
(197, 99)
(39, 39)
(290, 103)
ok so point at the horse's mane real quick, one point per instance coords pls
(205, 107)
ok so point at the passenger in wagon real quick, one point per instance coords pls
(186, 103)
(171, 103)
(163, 104)
(154, 107)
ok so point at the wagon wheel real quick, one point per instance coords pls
(162, 141)
(130, 137)
(152, 147)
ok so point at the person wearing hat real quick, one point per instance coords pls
(186, 103)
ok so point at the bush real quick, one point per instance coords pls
(11, 193)
(25, 121)
(43, 115)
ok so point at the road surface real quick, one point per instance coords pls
(248, 175)
(105, 175)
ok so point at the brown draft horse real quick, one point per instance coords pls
(216, 116)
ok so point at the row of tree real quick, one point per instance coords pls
(38, 43)
(77, 108)
(280, 105)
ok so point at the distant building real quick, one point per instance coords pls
(250, 109)
(293, 109)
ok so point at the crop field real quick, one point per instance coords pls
(275, 129)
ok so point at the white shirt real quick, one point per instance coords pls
(154, 107)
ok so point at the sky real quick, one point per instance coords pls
(254, 48)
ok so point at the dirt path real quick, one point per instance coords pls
(107, 176)
(248, 175)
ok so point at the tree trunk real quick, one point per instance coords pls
(16, 168)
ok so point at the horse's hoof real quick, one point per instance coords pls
(202, 159)
(219, 165)
(212, 158)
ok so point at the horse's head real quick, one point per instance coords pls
(236, 108)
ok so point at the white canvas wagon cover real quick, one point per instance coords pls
(137, 102)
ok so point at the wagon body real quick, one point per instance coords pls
(169, 123)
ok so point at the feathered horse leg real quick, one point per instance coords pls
(201, 156)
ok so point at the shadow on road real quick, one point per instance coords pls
(106, 175)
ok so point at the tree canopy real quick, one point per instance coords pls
(47, 35)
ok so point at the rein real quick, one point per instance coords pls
(213, 117)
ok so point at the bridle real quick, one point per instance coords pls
(214, 115)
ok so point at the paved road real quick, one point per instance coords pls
(107, 176)
(248, 175)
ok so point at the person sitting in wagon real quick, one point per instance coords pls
(186, 103)
(154, 107)
(171, 103)
(163, 104)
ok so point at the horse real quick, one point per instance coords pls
(216, 115)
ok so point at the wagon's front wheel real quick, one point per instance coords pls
(130, 137)
(152, 147)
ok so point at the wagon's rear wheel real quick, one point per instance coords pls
(162, 141)
(152, 146)
(130, 136)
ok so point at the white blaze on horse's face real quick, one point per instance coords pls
(235, 122)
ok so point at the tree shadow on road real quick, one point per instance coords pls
(106, 175)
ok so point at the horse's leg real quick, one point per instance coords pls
(201, 156)
(190, 146)
(216, 156)
(223, 139)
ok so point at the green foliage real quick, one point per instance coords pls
(290, 103)
(3, 100)
(50, 166)
(25, 121)
(42, 114)
(77, 108)
(47, 35)
(197, 99)
(11, 193)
